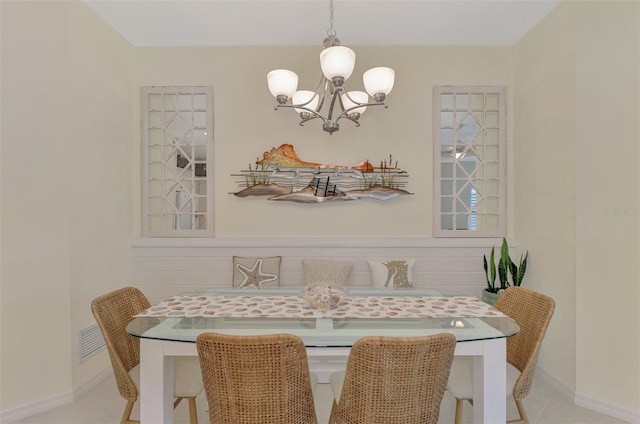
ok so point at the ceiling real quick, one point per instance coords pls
(305, 22)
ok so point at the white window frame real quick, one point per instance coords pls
(146, 161)
(501, 197)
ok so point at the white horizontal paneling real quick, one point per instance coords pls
(164, 267)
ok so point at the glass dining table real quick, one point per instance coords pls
(171, 327)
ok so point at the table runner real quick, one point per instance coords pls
(283, 306)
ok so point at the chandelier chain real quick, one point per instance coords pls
(331, 32)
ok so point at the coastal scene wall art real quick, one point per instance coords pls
(282, 175)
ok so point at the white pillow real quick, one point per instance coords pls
(318, 270)
(392, 273)
(256, 272)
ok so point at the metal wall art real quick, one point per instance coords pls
(281, 175)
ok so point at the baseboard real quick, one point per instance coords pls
(43, 405)
(596, 405)
(33, 408)
(615, 411)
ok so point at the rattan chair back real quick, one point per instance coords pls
(532, 311)
(113, 311)
(396, 380)
(256, 379)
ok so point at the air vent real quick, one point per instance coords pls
(91, 342)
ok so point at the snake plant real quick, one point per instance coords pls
(505, 267)
(490, 273)
(517, 272)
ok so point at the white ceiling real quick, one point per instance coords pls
(305, 22)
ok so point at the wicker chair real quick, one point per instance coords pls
(256, 379)
(532, 311)
(113, 311)
(393, 380)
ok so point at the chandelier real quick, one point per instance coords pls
(337, 63)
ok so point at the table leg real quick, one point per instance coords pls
(156, 383)
(490, 383)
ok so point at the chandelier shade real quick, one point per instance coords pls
(379, 81)
(337, 63)
(282, 82)
(352, 99)
(307, 98)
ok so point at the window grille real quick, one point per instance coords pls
(469, 140)
(177, 161)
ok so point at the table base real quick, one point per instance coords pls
(156, 375)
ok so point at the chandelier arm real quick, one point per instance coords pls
(322, 88)
(320, 92)
(317, 93)
(334, 96)
(306, 109)
(354, 120)
(345, 114)
(310, 117)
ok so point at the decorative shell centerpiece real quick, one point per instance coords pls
(324, 295)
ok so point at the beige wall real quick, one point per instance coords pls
(576, 174)
(246, 125)
(67, 130)
(70, 108)
(607, 202)
(544, 171)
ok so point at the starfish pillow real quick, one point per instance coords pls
(256, 272)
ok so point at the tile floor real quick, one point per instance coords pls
(103, 405)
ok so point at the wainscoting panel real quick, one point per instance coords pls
(164, 267)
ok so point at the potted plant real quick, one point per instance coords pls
(505, 267)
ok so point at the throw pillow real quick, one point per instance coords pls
(256, 272)
(318, 270)
(393, 273)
